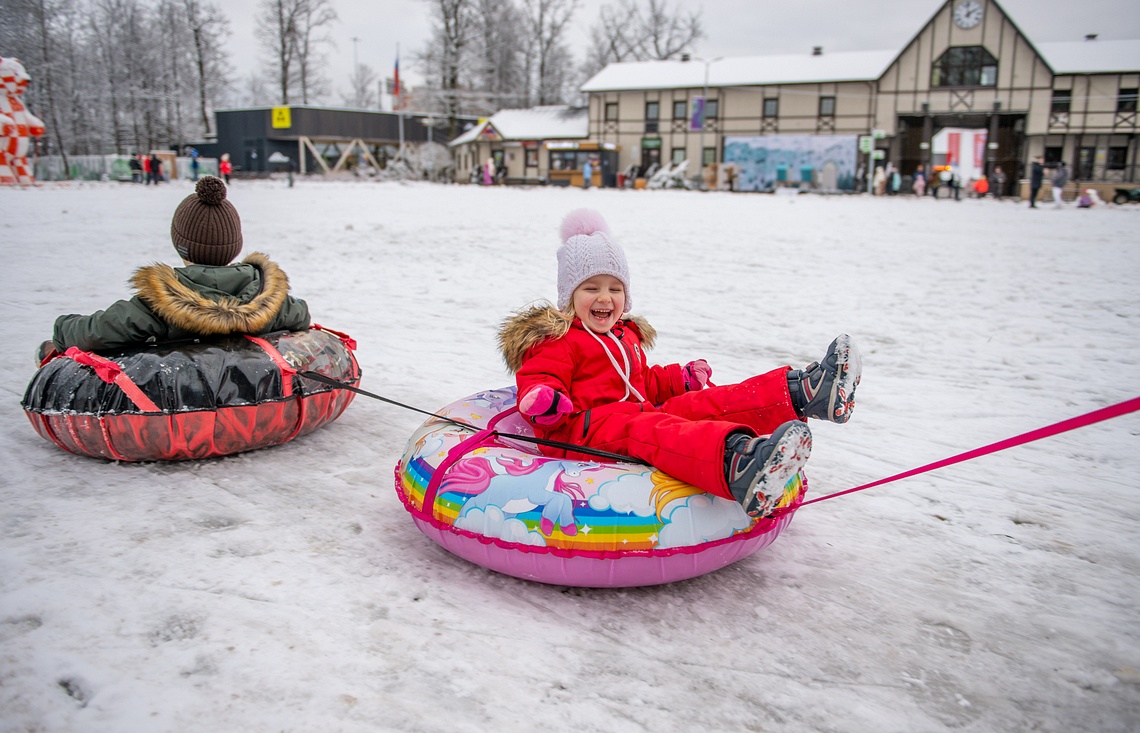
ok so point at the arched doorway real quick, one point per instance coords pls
(913, 142)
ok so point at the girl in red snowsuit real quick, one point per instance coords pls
(583, 378)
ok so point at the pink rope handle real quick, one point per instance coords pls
(1089, 418)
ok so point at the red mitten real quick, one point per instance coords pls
(546, 405)
(696, 374)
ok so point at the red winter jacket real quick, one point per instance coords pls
(681, 433)
(576, 365)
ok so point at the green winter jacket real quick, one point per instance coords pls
(175, 304)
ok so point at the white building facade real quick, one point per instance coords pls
(969, 67)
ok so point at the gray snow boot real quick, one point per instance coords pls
(757, 468)
(826, 390)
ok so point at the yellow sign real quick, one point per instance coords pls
(282, 117)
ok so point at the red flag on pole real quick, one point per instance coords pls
(396, 76)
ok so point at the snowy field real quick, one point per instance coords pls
(288, 590)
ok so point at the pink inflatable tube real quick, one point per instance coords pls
(502, 505)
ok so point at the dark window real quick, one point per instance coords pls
(709, 156)
(532, 157)
(964, 66)
(772, 107)
(564, 160)
(1052, 156)
(649, 158)
(712, 108)
(1126, 101)
(1117, 159)
(678, 155)
(826, 106)
(1085, 157)
(611, 111)
(1062, 100)
(680, 109)
(652, 113)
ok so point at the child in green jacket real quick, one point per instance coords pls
(207, 297)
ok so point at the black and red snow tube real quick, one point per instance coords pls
(189, 400)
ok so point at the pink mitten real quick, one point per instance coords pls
(546, 405)
(696, 374)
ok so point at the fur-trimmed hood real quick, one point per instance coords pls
(536, 323)
(242, 298)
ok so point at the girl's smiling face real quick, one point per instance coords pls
(599, 302)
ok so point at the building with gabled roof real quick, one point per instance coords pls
(969, 67)
(544, 144)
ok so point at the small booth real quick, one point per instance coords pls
(568, 163)
(537, 146)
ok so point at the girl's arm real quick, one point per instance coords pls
(550, 364)
(662, 382)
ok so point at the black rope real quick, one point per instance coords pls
(512, 436)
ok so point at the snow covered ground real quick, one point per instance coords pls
(288, 590)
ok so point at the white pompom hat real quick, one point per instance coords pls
(588, 250)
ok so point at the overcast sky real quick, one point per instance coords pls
(732, 27)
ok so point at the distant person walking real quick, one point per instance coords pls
(919, 185)
(587, 173)
(225, 167)
(194, 165)
(136, 168)
(997, 182)
(1036, 178)
(1060, 180)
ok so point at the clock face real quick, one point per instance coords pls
(968, 14)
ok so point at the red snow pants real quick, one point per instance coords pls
(684, 436)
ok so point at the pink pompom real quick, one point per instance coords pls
(583, 221)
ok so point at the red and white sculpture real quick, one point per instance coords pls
(17, 124)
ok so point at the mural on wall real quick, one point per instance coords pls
(804, 161)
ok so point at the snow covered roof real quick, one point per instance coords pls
(796, 68)
(1090, 57)
(560, 122)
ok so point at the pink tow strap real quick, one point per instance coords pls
(1089, 418)
(111, 373)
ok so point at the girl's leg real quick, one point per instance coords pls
(763, 402)
(692, 451)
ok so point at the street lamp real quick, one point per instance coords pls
(704, 106)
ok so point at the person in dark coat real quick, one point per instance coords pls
(997, 182)
(1036, 178)
(136, 168)
(207, 297)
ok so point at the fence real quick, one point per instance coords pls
(112, 168)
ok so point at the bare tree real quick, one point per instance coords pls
(209, 29)
(497, 60)
(312, 36)
(442, 60)
(277, 30)
(115, 75)
(547, 22)
(363, 94)
(640, 30)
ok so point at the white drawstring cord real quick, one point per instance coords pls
(623, 373)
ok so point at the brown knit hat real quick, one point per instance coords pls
(206, 229)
